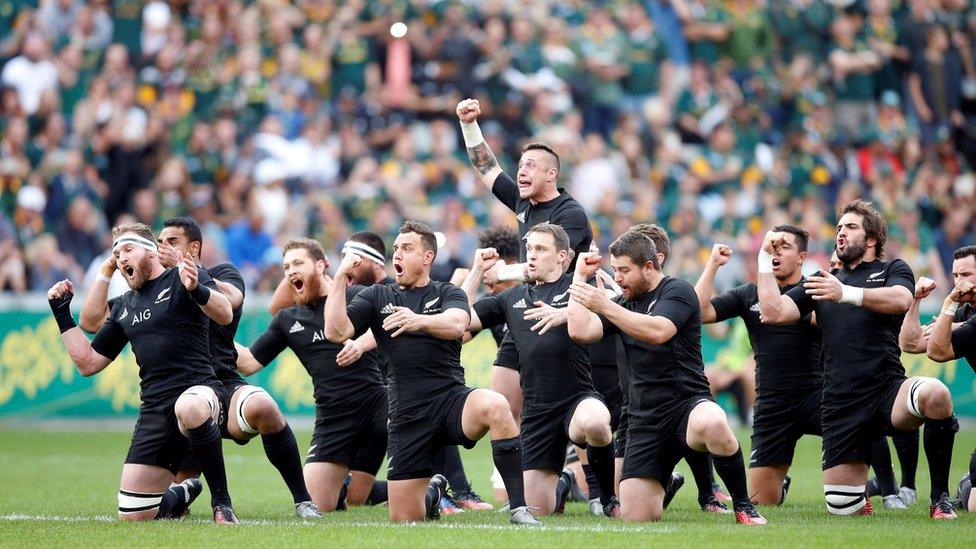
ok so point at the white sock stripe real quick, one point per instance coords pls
(364, 250)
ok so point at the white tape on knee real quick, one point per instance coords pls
(913, 394)
(246, 392)
(137, 502)
(844, 500)
(208, 394)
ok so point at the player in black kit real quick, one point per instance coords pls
(248, 410)
(671, 410)
(165, 316)
(560, 404)
(419, 324)
(350, 397)
(788, 370)
(860, 309)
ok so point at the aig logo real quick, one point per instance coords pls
(141, 317)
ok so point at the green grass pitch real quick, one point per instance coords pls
(59, 489)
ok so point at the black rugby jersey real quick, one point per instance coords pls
(222, 337)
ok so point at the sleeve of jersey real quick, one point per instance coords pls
(505, 189)
(728, 305)
(361, 310)
(110, 338)
(576, 225)
(676, 305)
(964, 339)
(225, 272)
(271, 343)
(804, 302)
(900, 274)
(453, 297)
(491, 310)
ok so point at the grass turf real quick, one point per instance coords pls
(61, 485)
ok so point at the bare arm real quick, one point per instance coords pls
(705, 287)
(95, 310)
(582, 324)
(79, 348)
(282, 298)
(479, 152)
(939, 346)
(213, 304)
(246, 363)
(338, 327)
(911, 339)
(234, 296)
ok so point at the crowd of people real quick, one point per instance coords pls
(272, 119)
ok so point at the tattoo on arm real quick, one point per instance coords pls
(482, 158)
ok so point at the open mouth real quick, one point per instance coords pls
(398, 269)
(524, 183)
(128, 271)
(776, 263)
(298, 284)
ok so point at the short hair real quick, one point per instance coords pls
(875, 225)
(311, 247)
(637, 246)
(558, 234)
(370, 239)
(802, 236)
(141, 229)
(190, 228)
(427, 238)
(503, 239)
(658, 236)
(540, 146)
(964, 251)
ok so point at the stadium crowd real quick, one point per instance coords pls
(270, 120)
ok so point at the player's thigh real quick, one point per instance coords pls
(766, 483)
(406, 499)
(847, 474)
(590, 418)
(540, 489)
(324, 481)
(507, 381)
(139, 487)
(482, 409)
(641, 499)
(195, 405)
(359, 487)
(707, 423)
(251, 407)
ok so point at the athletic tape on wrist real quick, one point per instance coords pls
(851, 295)
(135, 240)
(365, 251)
(511, 272)
(472, 134)
(102, 278)
(765, 262)
(949, 308)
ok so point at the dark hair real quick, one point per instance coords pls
(658, 236)
(504, 239)
(312, 247)
(370, 239)
(427, 238)
(875, 225)
(964, 251)
(190, 228)
(558, 234)
(141, 229)
(637, 246)
(540, 146)
(801, 236)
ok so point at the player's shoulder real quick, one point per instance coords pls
(223, 271)
(448, 289)
(354, 289)
(674, 285)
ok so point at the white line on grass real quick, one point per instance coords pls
(440, 525)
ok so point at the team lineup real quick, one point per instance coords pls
(598, 388)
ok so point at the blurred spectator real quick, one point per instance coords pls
(31, 73)
(935, 84)
(81, 235)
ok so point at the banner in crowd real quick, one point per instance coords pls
(38, 380)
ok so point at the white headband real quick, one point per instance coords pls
(364, 250)
(135, 240)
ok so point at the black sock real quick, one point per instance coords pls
(738, 392)
(378, 493)
(601, 463)
(282, 452)
(174, 503)
(454, 470)
(507, 455)
(884, 472)
(700, 464)
(592, 484)
(972, 465)
(939, 436)
(206, 446)
(732, 471)
(432, 498)
(563, 488)
(906, 446)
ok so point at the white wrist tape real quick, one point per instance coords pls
(851, 295)
(765, 262)
(511, 272)
(102, 278)
(472, 134)
(949, 308)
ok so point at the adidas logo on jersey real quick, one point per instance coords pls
(163, 296)
(650, 306)
(387, 310)
(296, 327)
(520, 217)
(755, 307)
(520, 304)
(125, 313)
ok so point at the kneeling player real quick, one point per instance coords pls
(560, 404)
(671, 409)
(418, 323)
(165, 317)
(350, 398)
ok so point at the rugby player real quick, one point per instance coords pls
(248, 410)
(165, 316)
(788, 369)
(671, 410)
(350, 397)
(419, 324)
(560, 403)
(860, 309)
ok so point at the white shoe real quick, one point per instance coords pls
(523, 517)
(596, 508)
(908, 495)
(894, 501)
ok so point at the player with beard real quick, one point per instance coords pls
(560, 403)
(165, 316)
(419, 324)
(860, 309)
(671, 409)
(350, 397)
(248, 410)
(788, 370)
(953, 336)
